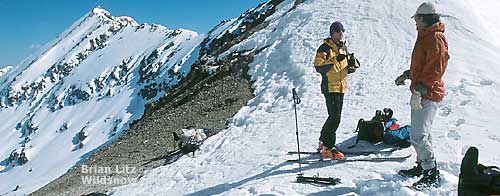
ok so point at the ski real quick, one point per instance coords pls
(169, 157)
(364, 159)
(318, 180)
(422, 187)
(350, 152)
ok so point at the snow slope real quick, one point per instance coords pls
(95, 78)
(249, 157)
(4, 70)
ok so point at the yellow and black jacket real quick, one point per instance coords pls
(333, 72)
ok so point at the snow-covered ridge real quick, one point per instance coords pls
(381, 34)
(82, 91)
(230, 32)
(4, 70)
(91, 35)
(125, 20)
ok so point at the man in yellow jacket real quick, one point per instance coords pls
(331, 61)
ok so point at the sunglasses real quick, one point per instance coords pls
(338, 31)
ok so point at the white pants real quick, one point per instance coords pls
(420, 134)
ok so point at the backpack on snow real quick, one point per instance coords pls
(372, 131)
(399, 137)
(382, 127)
(189, 140)
(477, 179)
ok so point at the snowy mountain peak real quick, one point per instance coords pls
(92, 80)
(104, 14)
(100, 10)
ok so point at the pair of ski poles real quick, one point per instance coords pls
(300, 175)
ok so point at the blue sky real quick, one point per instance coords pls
(26, 25)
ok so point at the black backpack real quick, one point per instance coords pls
(477, 179)
(373, 130)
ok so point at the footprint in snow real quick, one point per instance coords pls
(463, 88)
(486, 82)
(459, 122)
(465, 102)
(450, 167)
(494, 138)
(445, 111)
(453, 134)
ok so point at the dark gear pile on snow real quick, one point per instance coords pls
(189, 140)
(383, 127)
(477, 179)
(373, 130)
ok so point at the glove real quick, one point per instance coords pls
(416, 101)
(422, 89)
(400, 80)
(341, 57)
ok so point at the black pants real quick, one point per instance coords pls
(334, 102)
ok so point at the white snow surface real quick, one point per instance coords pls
(249, 157)
(116, 64)
(4, 70)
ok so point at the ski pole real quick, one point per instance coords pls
(296, 101)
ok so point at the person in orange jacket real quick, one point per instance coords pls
(428, 64)
(333, 62)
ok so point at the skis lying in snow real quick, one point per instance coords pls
(351, 159)
(169, 157)
(354, 153)
(318, 180)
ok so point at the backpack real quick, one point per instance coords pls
(189, 140)
(475, 178)
(372, 131)
(383, 127)
(399, 137)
